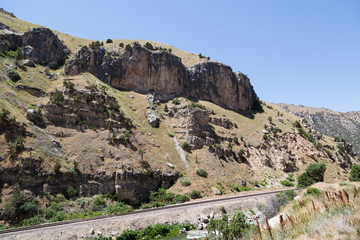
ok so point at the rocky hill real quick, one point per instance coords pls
(335, 124)
(91, 117)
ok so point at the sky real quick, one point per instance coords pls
(302, 52)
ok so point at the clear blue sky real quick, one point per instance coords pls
(300, 52)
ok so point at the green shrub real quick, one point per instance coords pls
(170, 134)
(149, 46)
(185, 145)
(109, 40)
(195, 105)
(316, 171)
(71, 192)
(128, 47)
(241, 188)
(241, 153)
(328, 152)
(236, 140)
(201, 172)
(234, 229)
(68, 84)
(94, 45)
(128, 234)
(117, 208)
(57, 167)
(195, 194)
(297, 124)
(202, 134)
(286, 183)
(99, 204)
(180, 198)
(121, 45)
(57, 98)
(4, 115)
(355, 173)
(269, 119)
(304, 180)
(313, 191)
(185, 182)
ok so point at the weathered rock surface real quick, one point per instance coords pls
(39, 44)
(130, 186)
(136, 187)
(162, 73)
(85, 108)
(37, 92)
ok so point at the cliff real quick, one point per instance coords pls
(162, 73)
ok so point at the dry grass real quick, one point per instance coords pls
(333, 214)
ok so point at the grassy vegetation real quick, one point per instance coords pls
(335, 211)
(150, 232)
(163, 197)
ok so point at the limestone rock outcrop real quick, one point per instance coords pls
(39, 44)
(162, 73)
(132, 187)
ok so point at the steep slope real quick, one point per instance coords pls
(91, 134)
(336, 124)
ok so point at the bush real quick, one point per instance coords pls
(202, 173)
(71, 192)
(355, 173)
(297, 124)
(179, 198)
(128, 47)
(241, 153)
(185, 182)
(109, 40)
(316, 171)
(195, 194)
(149, 46)
(128, 234)
(99, 204)
(57, 167)
(195, 105)
(57, 98)
(235, 229)
(4, 115)
(94, 45)
(117, 208)
(313, 191)
(185, 145)
(304, 180)
(121, 45)
(286, 183)
(236, 140)
(68, 85)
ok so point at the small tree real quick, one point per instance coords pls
(121, 45)
(269, 119)
(201, 172)
(316, 171)
(304, 180)
(128, 47)
(109, 40)
(236, 140)
(149, 46)
(355, 173)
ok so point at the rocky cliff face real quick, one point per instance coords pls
(129, 186)
(39, 44)
(163, 74)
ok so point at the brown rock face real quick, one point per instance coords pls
(163, 74)
(43, 46)
(39, 44)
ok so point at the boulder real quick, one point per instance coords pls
(28, 63)
(154, 120)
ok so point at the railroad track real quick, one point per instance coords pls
(194, 203)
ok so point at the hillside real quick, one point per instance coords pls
(80, 118)
(335, 124)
